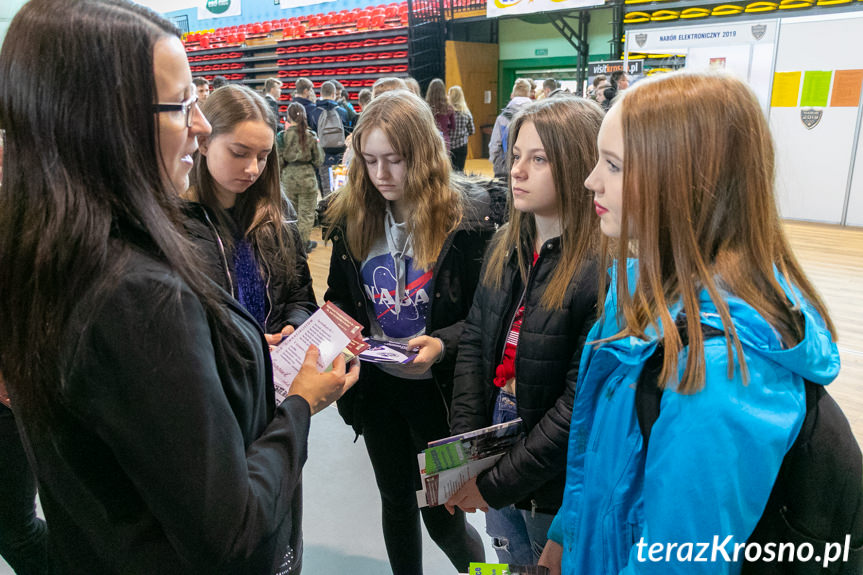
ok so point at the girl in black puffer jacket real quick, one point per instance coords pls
(531, 313)
(247, 243)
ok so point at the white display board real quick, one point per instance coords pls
(855, 201)
(813, 163)
(744, 49)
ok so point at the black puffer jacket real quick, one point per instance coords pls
(290, 298)
(454, 281)
(533, 473)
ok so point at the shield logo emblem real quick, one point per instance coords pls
(810, 117)
(758, 31)
(640, 39)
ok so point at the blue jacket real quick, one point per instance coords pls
(713, 456)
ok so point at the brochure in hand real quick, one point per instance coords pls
(331, 330)
(504, 569)
(380, 351)
(449, 463)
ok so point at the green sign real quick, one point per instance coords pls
(541, 52)
(218, 6)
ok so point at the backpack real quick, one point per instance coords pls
(331, 131)
(504, 129)
(817, 498)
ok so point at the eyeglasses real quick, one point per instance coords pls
(184, 108)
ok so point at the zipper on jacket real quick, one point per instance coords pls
(222, 251)
(266, 289)
(531, 276)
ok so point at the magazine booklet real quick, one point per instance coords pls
(451, 462)
(504, 569)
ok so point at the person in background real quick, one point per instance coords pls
(304, 93)
(331, 130)
(364, 97)
(413, 86)
(23, 535)
(463, 128)
(148, 412)
(605, 93)
(272, 92)
(738, 391)
(444, 115)
(219, 81)
(593, 89)
(261, 259)
(386, 84)
(620, 80)
(497, 145)
(536, 302)
(549, 85)
(343, 98)
(202, 88)
(407, 248)
(300, 155)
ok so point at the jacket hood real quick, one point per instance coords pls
(326, 104)
(815, 357)
(477, 213)
(518, 102)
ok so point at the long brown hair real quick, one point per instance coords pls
(259, 211)
(567, 128)
(436, 208)
(297, 115)
(436, 97)
(698, 172)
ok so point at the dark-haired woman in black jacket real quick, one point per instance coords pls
(530, 316)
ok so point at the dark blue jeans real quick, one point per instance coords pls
(23, 536)
(400, 417)
(518, 536)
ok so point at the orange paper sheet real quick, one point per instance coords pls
(846, 88)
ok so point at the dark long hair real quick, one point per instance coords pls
(260, 210)
(81, 178)
(297, 115)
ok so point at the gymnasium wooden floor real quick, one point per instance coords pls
(831, 256)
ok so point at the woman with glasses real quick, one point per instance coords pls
(144, 392)
(241, 220)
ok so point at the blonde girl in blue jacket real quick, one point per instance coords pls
(684, 182)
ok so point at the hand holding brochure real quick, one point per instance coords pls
(331, 330)
(380, 351)
(449, 463)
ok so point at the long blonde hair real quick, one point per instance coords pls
(698, 173)
(567, 128)
(435, 207)
(456, 99)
